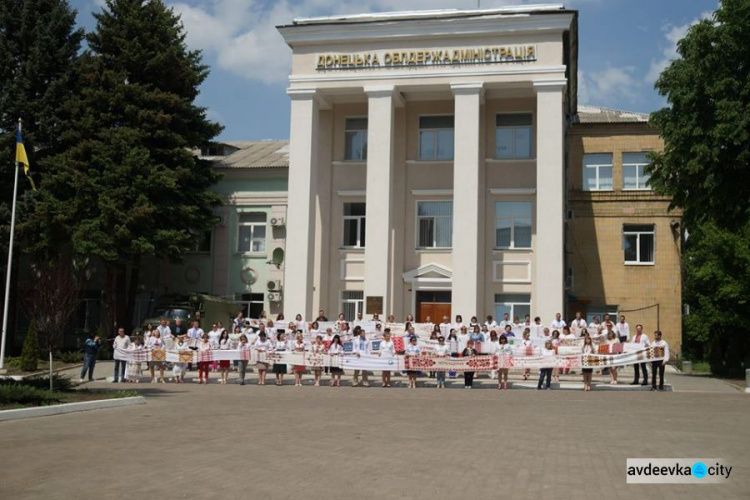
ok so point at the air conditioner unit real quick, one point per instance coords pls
(274, 297)
(278, 221)
(273, 285)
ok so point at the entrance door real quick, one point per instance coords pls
(433, 305)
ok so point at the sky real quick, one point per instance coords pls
(623, 46)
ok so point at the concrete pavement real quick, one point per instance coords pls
(192, 441)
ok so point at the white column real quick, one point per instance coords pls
(549, 247)
(468, 199)
(300, 224)
(381, 101)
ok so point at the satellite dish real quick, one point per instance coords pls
(278, 257)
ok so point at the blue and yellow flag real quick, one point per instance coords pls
(21, 155)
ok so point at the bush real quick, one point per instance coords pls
(71, 357)
(26, 395)
(59, 383)
(105, 351)
(30, 353)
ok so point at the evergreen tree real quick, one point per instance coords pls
(129, 184)
(39, 44)
(30, 352)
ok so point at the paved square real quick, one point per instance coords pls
(231, 441)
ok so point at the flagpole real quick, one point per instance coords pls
(7, 273)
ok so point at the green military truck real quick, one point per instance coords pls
(207, 309)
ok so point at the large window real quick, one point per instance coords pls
(513, 136)
(600, 311)
(638, 243)
(515, 304)
(436, 138)
(356, 139)
(252, 232)
(251, 304)
(513, 224)
(354, 225)
(352, 303)
(434, 224)
(597, 172)
(634, 175)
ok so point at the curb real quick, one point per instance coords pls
(46, 411)
(573, 386)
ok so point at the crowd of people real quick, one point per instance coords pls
(450, 339)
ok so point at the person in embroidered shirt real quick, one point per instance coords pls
(506, 321)
(491, 324)
(469, 376)
(336, 350)
(279, 369)
(387, 350)
(578, 324)
(262, 344)
(502, 349)
(441, 351)
(546, 373)
(659, 365)
(642, 339)
(558, 323)
(121, 341)
(204, 346)
(224, 344)
(299, 370)
(623, 329)
(586, 349)
(611, 341)
(318, 347)
(413, 349)
(463, 338)
(361, 347)
(445, 326)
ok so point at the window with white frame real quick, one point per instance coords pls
(354, 225)
(634, 175)
(513, 224)
(352, 303)
(515, 304)
(638, 243)
(436, 138)
(251, 304)
(434, 224)
(597, 172)
(513, 136)
(355, 138)
(599, 312)
(252, 232)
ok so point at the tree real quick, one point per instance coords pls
(717, 287)
(705, 165)
(39, 44)
(30, 352)
(128, 184)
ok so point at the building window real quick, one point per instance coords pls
(356, 139)
(517, 305)
(213, 150)
(354, 225)
(352, 303)
(597, 172)
(252, 232)
(638, 243)
(513, 224)
(600, 311)
(569, 278)
(434, 224)
(204, 244)
(634, 175)
(436, 138)
(513, 136)
(251, 304)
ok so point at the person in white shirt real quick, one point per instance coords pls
(361, 348)
(611, 341)
(336, 350)
(299, 370)
(463, 338)
(121, 341)
(413, 349)
(279, 369)
(441, 351)
(558, 323)
(491, 324)
(195, 334)
(587, 349)
(213, 334)
(178, 368)
(537, 329)
(224, 344)
(567, 334)
(546, 373)
(578, 324)
(387, 350)
(642, 339)
(659, 365)
(445, 326)
(623, 329)
(502, 349)
(506, 321)
(164, 329)
(262, 344)
(155, 342)
(317, 347)
(459, 322)
(594, 325)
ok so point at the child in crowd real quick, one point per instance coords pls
(468, 352)
(588, 348)
(203, 366)
(224, 345)
(387, 350)
(441, 351)
(546, 372)
(335, 350)
(413, 349)
(299, 370)
(318, 347)
(178, 368)
(502, 349)
(134, 367)
(262, 345)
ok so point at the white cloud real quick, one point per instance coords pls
(242, 36)
(608, 85)
(673, 34)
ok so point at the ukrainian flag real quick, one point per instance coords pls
(21, 155)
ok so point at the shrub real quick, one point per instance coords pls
(59, 383)
(71, 357)
(105, 351)
(30, 352)
(26, 395)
